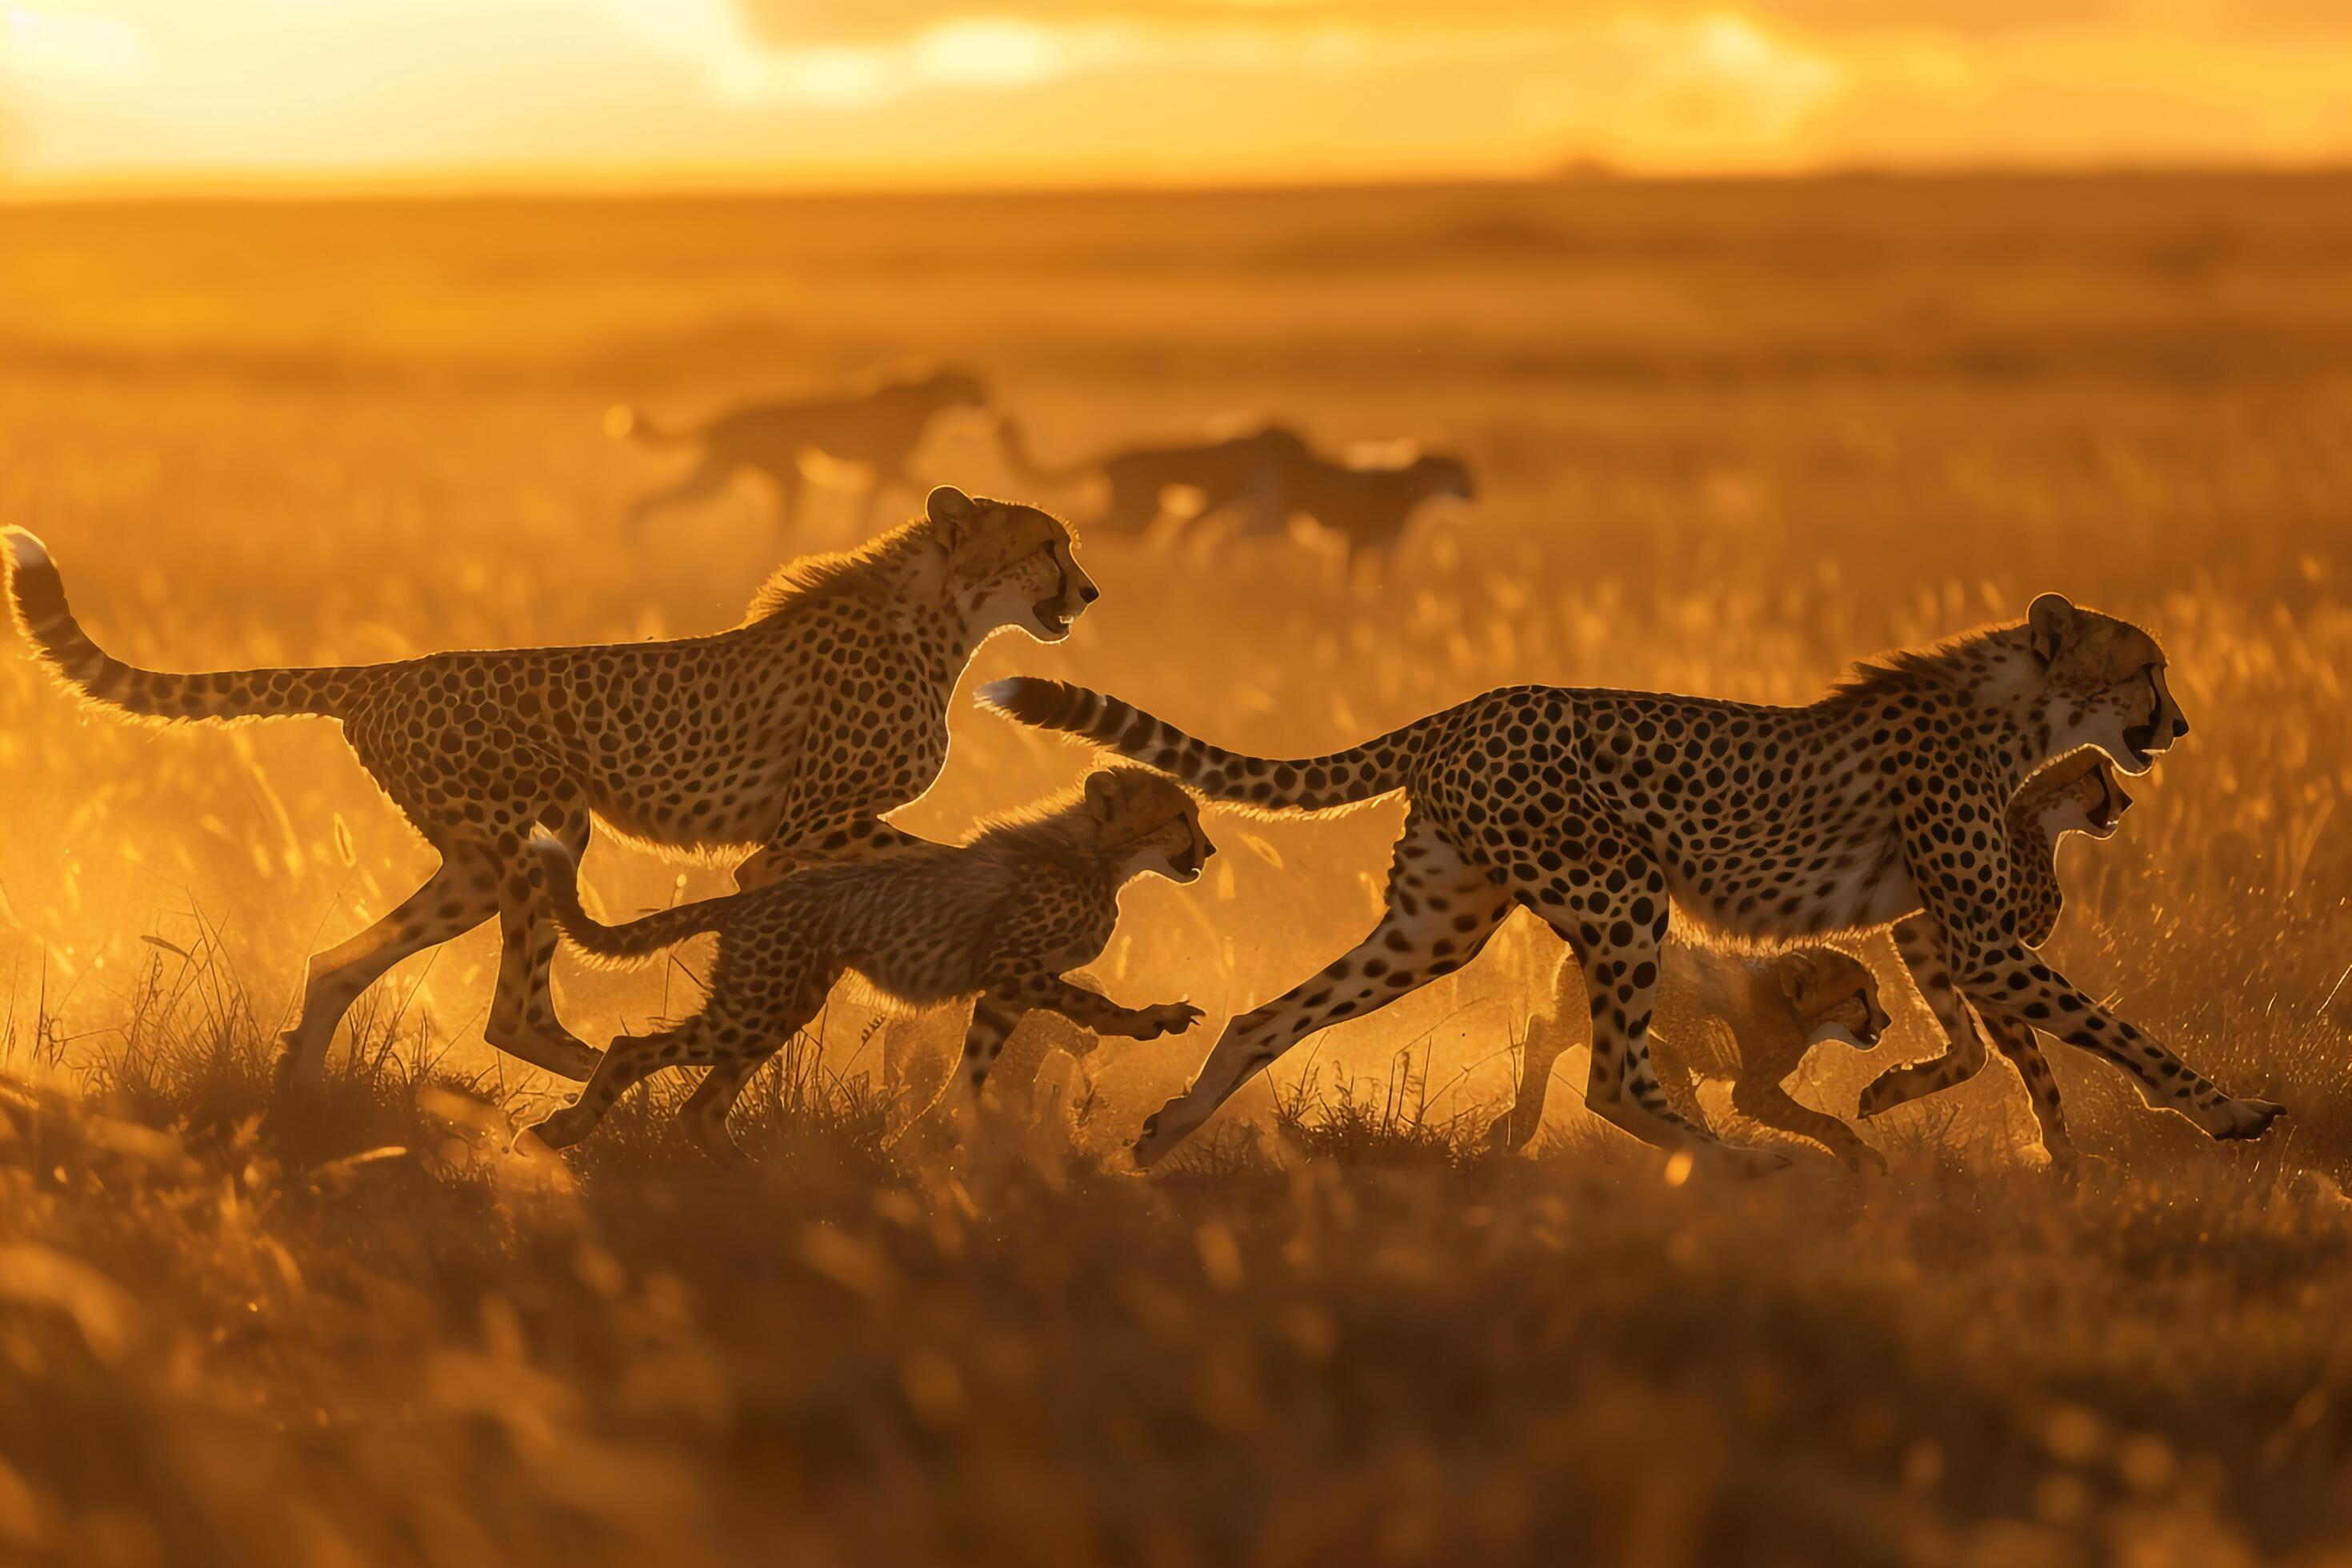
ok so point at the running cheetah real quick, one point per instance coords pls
(1003, 917)
(876, 427)
(1745, 1018)
(1265, 476)
(1601, 810)
(790, 734)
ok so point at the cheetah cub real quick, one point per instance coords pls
(1722, 1016)
(1002, 917)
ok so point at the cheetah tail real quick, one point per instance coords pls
(613, 947)
(1307, 783)
(36, 598)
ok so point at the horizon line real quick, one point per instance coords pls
(702, 184)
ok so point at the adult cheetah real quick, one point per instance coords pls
(1601, 809)
(1001, 918)
(790, 734)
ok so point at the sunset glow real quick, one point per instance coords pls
(114, 92)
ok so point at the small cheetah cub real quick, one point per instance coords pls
(1001, 918)
(1724, 1017)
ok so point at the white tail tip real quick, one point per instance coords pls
(25, 549)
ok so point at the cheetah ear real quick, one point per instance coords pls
(1102, 795)
(2048, 621)
(1796, 971)
(951, 509)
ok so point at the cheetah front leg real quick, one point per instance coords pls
(1613, 914)
(999, 1013)
(1442, 907)
(2024, 1054)
(1920, 941)
(1769, 1104)
(2015, 985)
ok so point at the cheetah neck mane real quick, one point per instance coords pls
(905, 562)
(1970, 665)
(1059, 828)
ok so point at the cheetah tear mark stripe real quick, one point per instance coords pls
(1308, 784)
(36, 596)
(621, 946)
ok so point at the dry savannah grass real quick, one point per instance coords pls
(1728, 437)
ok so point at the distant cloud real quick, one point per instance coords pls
(887, 92)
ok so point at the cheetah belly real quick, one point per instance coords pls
(1788, 892)
(692, 774)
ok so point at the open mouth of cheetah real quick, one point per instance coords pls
(1187, 862)
(2110, 812)
(2140, 740)
(1054, 616)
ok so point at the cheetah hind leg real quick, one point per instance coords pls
(628, 1059)
(1441, 909)
(1550, 1038)
(705, 1110)
(523, 1014)
(458, 897)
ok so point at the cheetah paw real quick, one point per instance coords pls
(2245, 1119)
(1167, 1018)
(1161, 1131)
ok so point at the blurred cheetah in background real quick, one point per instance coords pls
(1002, 917)
(876, 428)
(1264, 475)
(791, 734)
(1602, 810)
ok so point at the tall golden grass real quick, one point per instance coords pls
(1728, 437)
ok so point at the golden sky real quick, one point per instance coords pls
(1023, 91)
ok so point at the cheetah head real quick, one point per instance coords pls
(2101, 683)
(2080, 795)
(1148, 823)
(1009, 566)
(1834, 995)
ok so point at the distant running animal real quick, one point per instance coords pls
(1744, 1018)
(2078, 794)
(790, 734)
(1601, 810)
(1001, 918)
(877, 428)
(1265, 475)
